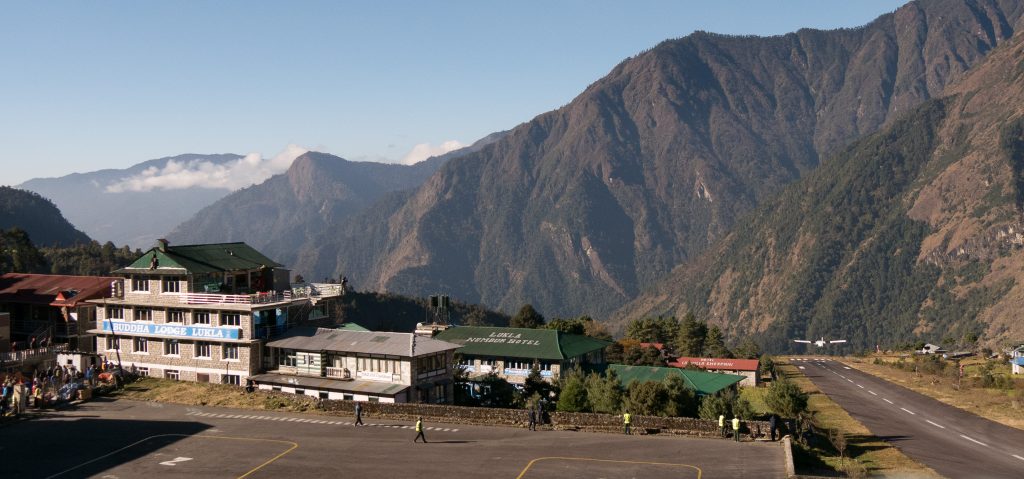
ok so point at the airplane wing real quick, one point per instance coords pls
(801, 341)
(837, 341)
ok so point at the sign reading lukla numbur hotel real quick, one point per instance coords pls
(504, 338)
(202, 332)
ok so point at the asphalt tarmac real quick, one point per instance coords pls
(951, 441)
(128, 439)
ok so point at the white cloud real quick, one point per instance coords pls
(249, 170)
(423, 151)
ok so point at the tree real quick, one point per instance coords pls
(568, 326)
(713, 406)
(614, 353)
(536, 385)
(690, 337)
(681, 400)
(714, 346)
(604, 393)
(527, 317)
(785, 398)
(574, 394)
(496, 392)
(18, 254)
(646, 398)
(747, 349)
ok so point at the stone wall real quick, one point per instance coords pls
(518, 417)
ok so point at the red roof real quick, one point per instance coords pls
(658, 346)
(53, 289)
(717, 363)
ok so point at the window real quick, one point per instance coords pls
(300, 392)
(171, 374)
(140, 283)
(347, 397)
(171, 347)
(202, 377)
(142, 371)
(322, 395)
(200, 317)
(374, 399)
(230, 319)
(112, 343)
(115, 312)
(175, 316)
(288, 358)
(440, 394)
(232, 379)
(202, 350)
(275, 388)
(143, 314)
(230, 351)
(170, 284)
(140, 345)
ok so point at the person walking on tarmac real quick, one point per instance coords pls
(721, 423)
(419, 431)
(359, 415)
(625, 422)
(772, 425)
(532, 425)
(736, 428)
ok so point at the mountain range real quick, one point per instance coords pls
(582, 208)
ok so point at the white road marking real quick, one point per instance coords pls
(940, 426)
(1018, 457)
(846, 367)
(850, 380)
(801, 367)
(862, 387)
(173, 462)
(973, 440)
(908, 410)
(844, 377)
(886, 400)
(872, 392)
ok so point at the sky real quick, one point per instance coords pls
(104, 84)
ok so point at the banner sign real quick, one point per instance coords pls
(198, 332)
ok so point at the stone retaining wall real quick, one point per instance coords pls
(519, 417)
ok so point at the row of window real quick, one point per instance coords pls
(431, 363)
(168, 284)
(470, 362)
(176, 316)
(172, 347)
(324, 395)
(175, 375)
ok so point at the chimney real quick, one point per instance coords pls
(162, 244)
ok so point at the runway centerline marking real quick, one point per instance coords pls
(872, 392)
(935, 424)
(862, 387)
(886, 400)
(908, 410)
(973, 440)
(1018, 457)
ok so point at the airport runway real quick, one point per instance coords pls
(118, 439)
(951, 441)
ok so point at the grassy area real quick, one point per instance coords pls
(1005, 406)
(866, 454)
(204, 394)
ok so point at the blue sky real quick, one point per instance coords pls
(92, 85)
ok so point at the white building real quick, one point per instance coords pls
(361, 366)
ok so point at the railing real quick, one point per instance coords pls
(19, 356)
(258, 298)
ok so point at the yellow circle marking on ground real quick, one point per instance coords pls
(528, 466)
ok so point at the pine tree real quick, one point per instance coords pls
(574, 394)
(527, 317)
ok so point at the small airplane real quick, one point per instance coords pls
(821, 342)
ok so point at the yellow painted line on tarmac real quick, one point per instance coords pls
(528, 466)
(290, 449)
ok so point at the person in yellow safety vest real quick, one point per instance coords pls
(625, 422)
(721, 423)
(736, 428)
(419, 431)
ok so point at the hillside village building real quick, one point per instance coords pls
(52, 309)
(361, 366)
(1017, 360)
(512, 352)
(748, 368)
(202, 312)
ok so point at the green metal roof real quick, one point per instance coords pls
(702, 382)
(519, 342)
(203, 258)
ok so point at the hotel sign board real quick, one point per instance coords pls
(177, 330)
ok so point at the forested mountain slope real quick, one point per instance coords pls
(914, 233)
(38, 217)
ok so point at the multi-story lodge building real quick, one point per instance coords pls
(203, 312)
(512, 352)
(361, 366)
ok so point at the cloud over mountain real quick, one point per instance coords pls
(175, 175)
(423, 151)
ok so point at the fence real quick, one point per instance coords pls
(32, 354)
(258, 298)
